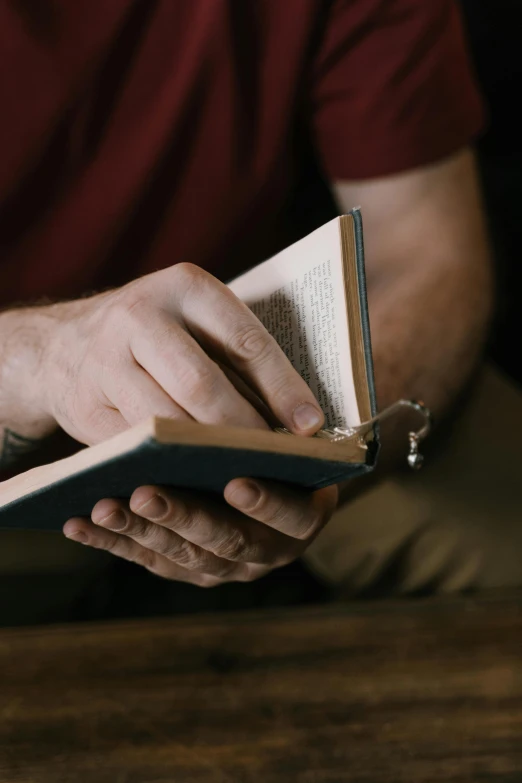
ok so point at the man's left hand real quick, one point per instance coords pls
(176, 535)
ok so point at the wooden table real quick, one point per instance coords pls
(428, 691)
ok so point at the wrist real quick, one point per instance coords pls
(24, 375)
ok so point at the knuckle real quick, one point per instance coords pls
(186, 554)
(260, 553)
(200, 383)
(181, 518)
(250, 344)
(127, 313)
(152, 537)
(188, 277)
(277, 512)
(133, 526)
(129, 305)
(235, 546)
(187, 271)
(285, 383)
(309, 524)
(95, 419)
(163, 337)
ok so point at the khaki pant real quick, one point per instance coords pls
(455, 525)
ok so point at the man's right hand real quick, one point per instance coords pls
(154, 347)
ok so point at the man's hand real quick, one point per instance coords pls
(158, 346)
(180, 536)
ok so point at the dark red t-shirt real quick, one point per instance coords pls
(136, 134)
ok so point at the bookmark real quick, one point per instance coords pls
(415, 458)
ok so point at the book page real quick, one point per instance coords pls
(299, 297)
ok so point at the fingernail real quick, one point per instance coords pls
(78, 536)
(155, 508)
(245, 496)
(115, 521)
(307, 417)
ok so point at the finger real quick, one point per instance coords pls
(84, 532)
(213, 526)
(182, 368)
(250, 395)
(230, 328)
(296, 513)
(137, 396)
(115, 516)
(104, 422)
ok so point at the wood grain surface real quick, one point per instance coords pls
(406, 692)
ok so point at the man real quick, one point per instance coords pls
(138, 135)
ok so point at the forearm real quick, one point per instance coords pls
(429, 327)
(429, 286)
(23, 422)
(429, 331)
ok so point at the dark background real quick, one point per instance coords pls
(495, 34)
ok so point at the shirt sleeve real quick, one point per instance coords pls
(393, 87)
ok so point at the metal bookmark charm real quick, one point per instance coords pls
(415, 458)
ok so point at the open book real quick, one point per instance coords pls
(312, 299)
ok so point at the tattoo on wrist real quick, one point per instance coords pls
(13, 446)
